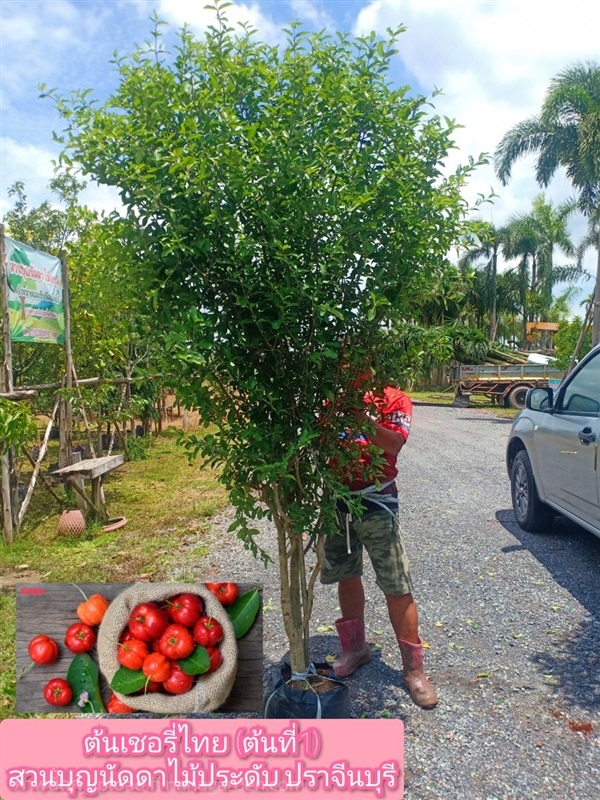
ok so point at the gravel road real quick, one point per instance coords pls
(512, 621)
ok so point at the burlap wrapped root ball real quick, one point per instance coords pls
(210, 690)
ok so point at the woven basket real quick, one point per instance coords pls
(210, 691)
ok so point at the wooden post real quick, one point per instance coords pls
(85, 419)
(6, 385)
(97, 494)
(99, 420)
(79, 484)
(37, 465)
(66, 406)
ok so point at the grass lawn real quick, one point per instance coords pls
(166, 501)
(439, 397)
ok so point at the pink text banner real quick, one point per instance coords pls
(130, 758)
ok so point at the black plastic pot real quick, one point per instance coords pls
(284, 702)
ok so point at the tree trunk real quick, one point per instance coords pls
(297, 587)
(596, 314)
(493, 290)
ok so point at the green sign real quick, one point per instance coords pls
(35, 295)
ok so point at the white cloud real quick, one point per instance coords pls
(310, 12)
(199, 18)
(101, 198)
(27, 163)
(493, 61)
(33, 165)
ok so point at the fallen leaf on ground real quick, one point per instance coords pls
(439, 624)
(330, 659)
(426, 644)
(324, 628)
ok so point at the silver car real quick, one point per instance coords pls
(553, 454)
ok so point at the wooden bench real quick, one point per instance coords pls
(91, 469)
(50, 608)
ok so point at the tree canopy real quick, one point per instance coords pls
(284, 205)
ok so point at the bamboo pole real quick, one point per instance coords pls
(112, 438)
(6, 386)
(41, 387)
(43, 478)
(38, 464)
(19, 395)
(86, 422)
(66, 407)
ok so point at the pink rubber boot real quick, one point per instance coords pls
(355, 650)
(420, 689)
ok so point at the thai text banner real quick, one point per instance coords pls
(130, 758)
(35, 295)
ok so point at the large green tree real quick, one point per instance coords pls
(566, 134)
(486, 249)
(285, 203)
(534, 239)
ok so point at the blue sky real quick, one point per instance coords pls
(493, 60)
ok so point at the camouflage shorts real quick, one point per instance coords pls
(380, 533)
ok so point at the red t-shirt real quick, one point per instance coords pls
(394, 411)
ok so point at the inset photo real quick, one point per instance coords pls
(165, 649)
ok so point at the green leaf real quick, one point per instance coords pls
(128, 681)
(243, 612)
(82, 677)
(197, 663)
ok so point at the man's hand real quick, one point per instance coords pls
(359, 414)
(390, 441)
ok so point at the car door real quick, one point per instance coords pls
(567, 444)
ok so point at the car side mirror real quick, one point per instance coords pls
(540, 399)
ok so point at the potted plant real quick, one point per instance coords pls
(298, 211)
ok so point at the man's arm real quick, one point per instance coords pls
(388, 440)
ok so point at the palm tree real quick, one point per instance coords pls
(565, 134)
(592, 239)
(490, 244)
(533, 238)
(537, 235)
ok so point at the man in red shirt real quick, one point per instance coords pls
(378, 531)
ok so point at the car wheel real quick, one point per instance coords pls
(517, 396)
(530, 513)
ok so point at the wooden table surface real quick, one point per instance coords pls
(90, 467)
(50, 608)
